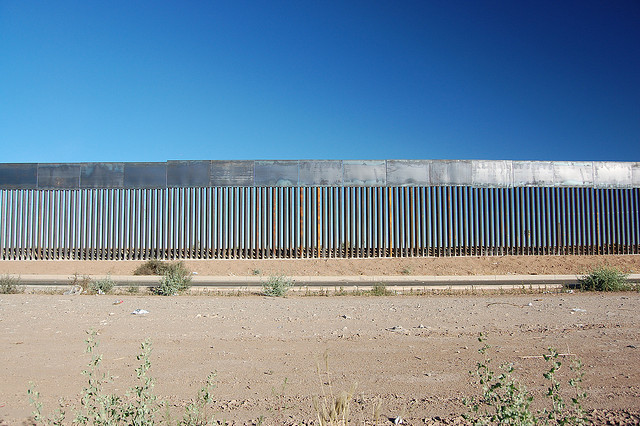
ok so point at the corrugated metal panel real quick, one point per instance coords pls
(573, 173)
(608, 174)
(18, 176)
(364, 173)
(232, 173)
(102, 175)
(145, 175)
(183, 174)
(408, 172)
(533, 173)
(58, 176)
(491, 173)
(320, 173)
(276, 173)
(451, 172)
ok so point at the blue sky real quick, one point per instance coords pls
(155, 81)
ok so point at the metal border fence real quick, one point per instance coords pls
(316, 209)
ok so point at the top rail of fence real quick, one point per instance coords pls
(332, 173)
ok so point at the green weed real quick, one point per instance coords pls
(177, 278)
(505, 401)
(139, 406)
(379, 289)
(10, 285)
(277, 286)
(605, 279)
(102, 286)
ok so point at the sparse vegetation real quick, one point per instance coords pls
(177, 278)
(277, 286)
(10, 285)
(605, 279)
(506, 401)
(406, 271)
(102, 286)
(139, 406)
(81, 282)
(379, 289)
(158, 267)
(332, 409)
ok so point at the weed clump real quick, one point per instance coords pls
(332, 409)
(505, 401)
(10, 285)
(102, 286)
(277, 286)
(177, 278)
(158, 267)
(604, 279)
(139, 405)
(379, 289)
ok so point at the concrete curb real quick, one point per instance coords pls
(328, 281)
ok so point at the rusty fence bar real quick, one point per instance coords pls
(242, 222)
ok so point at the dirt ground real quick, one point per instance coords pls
(486, 265)
(410, 353)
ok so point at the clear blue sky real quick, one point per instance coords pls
(159, 80)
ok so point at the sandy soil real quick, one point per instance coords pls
(411, 353)
(488, 265)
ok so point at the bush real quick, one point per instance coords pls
(277, 286)
(604, 279)
(10, 285)
(177, 278)
(138, 406)
(505, 401)
(102, 286)
(379, 289)
(152, 267)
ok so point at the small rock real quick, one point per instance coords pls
(398, 421)
(345, 316)
(631, 346)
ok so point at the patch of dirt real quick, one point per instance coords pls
(410, 353)
(486, 265)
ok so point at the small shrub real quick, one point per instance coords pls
(10, 285)
(332, 409)
(505, 401)
(177, 278)
(152, 267)
(81, 282)
(379, 289)
(133, 289)
(406, 271)
(138, 406)
(277, 286)
(604, 279)
(256, 272)
(102, 286)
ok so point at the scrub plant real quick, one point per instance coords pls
(277, 286)
(332, 409)
(604, 279)
(177, 278)
(102, 286)
(10, 285)
(379, 289)
(505, 401)
(139, 406)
